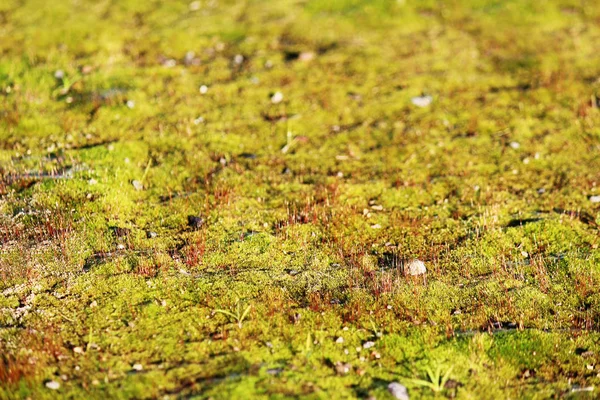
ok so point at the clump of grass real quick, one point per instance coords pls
(435, 380)
(237, 315)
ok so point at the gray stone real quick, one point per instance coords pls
(398, 391)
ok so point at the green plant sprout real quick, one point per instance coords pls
(237, 315)
(436, 382)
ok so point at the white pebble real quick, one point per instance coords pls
(137, 185)
(339, 340)
(203, 89)
(194, 6)
(398, 391)
(238, 59)
(170, 63)
(53, 385)
(422, 101)
(368, 345)
(277, 98)
(416, 267)
(59, 74)
(130, 103)
(138, 367)
(515, 145)
(595, 199)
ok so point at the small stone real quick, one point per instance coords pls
(151, 234)
(92, 181)
(368, 345)
(54, 385)
(198, 120)
(595, 199)
(78, 350)
(120, 232)
(137, 185)
(515, 145)
(59, 74)
(339, 340)
(130, 104)
(306, 56)
(190, 58)
(422, 101)
(195, 221)
(416, 267)
(277, 98)
(137, 367)
(170, 63)
(274, 371)
(203, 89)
(376, 226)
(238, 59)
(194, 6)
(342, 368)
(398, 391)
(93, 304)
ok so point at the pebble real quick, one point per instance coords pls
(78, 350)
(130, 104)
(342, 368)
(238, 59)
(151, 235)
(306, 56)
(515, 145)
(137, 367)
(59, 74)
(120, 232)
(422, 101)
(416, 267)
(595, 199)
(53, 385)
(368, 345)
(195, 221)
(274, 371)
(203, 89)
(137, 185)
(398, 391)
(277, 98)
(339, 340)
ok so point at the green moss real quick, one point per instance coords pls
(310, 205)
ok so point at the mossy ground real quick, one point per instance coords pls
(310, 204)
